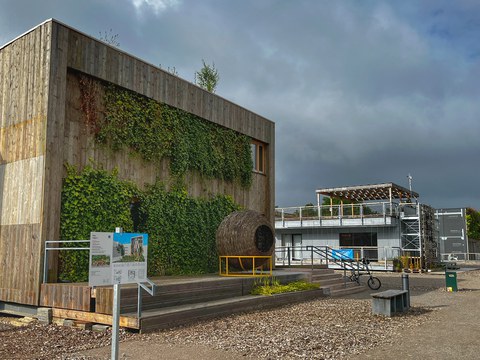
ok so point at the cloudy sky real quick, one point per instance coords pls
(361, 92)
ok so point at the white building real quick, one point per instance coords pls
(380, 222)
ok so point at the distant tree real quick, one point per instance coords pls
(110, 38)
(473, 224)
(207, 78)
(310, 210)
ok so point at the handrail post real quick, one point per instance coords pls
(288, 254)
(311, 255)
(139, 304)
(45, 264)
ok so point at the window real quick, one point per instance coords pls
(364, 244)
(258, 156)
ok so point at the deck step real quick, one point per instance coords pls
(178, 315)
(191, 292)
(353, 289)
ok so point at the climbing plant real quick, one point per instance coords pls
(92, 200)
(153, 131)
(181, 228)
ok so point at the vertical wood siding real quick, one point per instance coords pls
(41, 128)
(24, 78)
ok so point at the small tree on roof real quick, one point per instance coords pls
(207, 78)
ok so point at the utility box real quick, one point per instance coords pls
(451, 281)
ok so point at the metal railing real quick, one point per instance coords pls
(346, 211)
(247, 263)
(323, 255)
(147, 285)
(462, 257)
(57, 248)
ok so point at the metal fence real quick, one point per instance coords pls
(381, 258)
(299, 213)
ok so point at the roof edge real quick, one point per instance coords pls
(28, 31)
(53, 20)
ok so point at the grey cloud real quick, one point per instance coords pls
(361, 92)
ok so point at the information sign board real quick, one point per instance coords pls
(117, 258)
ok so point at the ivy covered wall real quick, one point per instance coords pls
(132, 134)
(181, 228)
(154, 131)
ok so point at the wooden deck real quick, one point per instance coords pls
(178, 300)
(181, 300)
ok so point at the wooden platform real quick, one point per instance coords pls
(178, 299)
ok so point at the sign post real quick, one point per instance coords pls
(116, 312)
(115, 320)
(117, 258)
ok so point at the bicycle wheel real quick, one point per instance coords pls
(374, 283)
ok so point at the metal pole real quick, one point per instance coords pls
(116, 320)
(116, 313)
(406, 286)
(139, 303)
(45, 265)
(311, 255)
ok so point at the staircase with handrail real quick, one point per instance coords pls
(335, 283)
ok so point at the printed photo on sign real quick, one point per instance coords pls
(128, 248)
(129, 257)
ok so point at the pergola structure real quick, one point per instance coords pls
(374, 192)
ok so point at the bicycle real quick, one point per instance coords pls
(373, 282)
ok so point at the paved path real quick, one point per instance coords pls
(453, 331)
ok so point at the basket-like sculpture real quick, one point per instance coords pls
(245, 233)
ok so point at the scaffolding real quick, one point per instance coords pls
(429, 228)
(418, 233)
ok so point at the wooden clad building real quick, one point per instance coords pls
(41, 129)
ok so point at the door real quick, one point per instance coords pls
(297, 246)
(294, 243)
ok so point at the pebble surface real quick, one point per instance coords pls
(327, 328)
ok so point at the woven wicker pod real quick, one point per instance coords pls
(245, 233)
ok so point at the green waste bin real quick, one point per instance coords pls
(451, 280)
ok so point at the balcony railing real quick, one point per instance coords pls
(375, 213)
(382, 257)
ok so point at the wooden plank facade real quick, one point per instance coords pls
(41, 129)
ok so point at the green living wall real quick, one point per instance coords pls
(154, 131)
(181, 228)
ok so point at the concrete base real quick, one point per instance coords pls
(389, 302)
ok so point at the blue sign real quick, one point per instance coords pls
(342, 254)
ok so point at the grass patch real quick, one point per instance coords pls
(271, 286)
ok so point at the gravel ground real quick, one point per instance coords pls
(320, 329)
